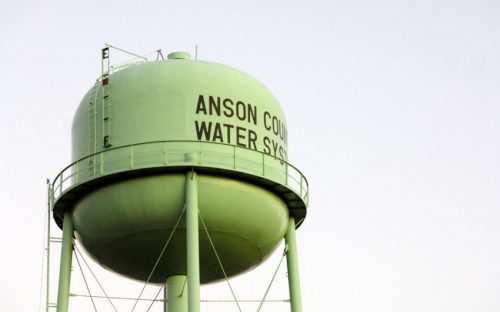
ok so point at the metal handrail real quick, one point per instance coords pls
(73, 177)
(118, 67)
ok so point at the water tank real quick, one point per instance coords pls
(137, 132)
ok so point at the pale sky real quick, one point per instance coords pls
(393, 115)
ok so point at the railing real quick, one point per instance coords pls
(181, 153)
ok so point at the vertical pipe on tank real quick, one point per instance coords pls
(193, 261)
(65, 267)
(293, 267)
(175, 296)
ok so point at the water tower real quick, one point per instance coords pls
(173, 159)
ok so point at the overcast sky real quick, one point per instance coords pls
(393, 115)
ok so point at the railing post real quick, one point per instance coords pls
(101, 165)
(200, 155)
(234, 157)
(301, 185)
(61, 177)
(165, 153)
(286, 174)
(77, 172)
(263, 164)
(131, 156)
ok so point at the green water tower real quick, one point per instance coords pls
(179, 166)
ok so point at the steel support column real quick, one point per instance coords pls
(293, 267)
(65, 267)
(193, 252)
(176, 297)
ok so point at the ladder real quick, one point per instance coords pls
(92, 126)
(106, 101)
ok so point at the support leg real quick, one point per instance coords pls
(65, 267)
(192, 232)
(50, 205)
(176, 297)
(293, 268)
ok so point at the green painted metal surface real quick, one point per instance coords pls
(126, 224)
(135, 135)
(179, 55)
(292, 261)
(181, 99)
(168, 156)
(65, 265)
(192, 242)
(176, 294)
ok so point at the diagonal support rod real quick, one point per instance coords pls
(159, 258)
(220, 262)
(272, 280)
(78, 252)
(86, 283)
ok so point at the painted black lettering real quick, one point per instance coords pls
(217, 133)
(203, 130)
(201, 107)
(281, 130)
(275, 125)
(267, 149)
(252, 137)
(241, 112)
(214, 106)
(282, 153)
(228, 107)
(228, 132)
(252, 114)
(240, 136)
(266, 117)
(275, 148)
